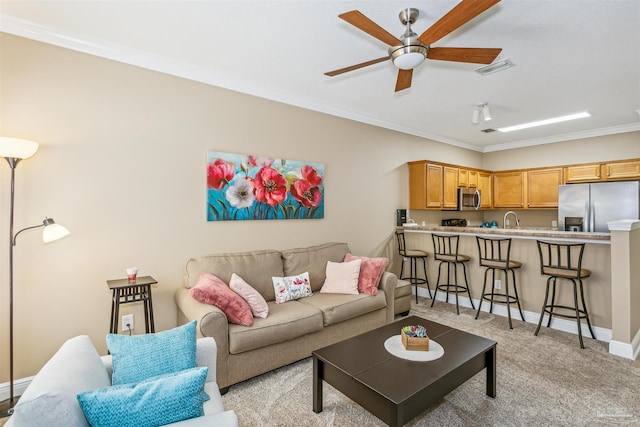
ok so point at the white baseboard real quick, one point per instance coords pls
(19, 386)
(602, 334)
(629, 351)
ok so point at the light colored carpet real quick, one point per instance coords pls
(541, 381)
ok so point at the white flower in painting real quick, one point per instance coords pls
(240, 194)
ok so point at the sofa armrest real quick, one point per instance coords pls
(388, 283)
(212, 322)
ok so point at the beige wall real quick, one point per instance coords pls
(122, 165)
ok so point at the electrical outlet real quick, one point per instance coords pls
(497, 284)
(127, 319)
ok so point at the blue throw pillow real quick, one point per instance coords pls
(139, 357)
(164, 400)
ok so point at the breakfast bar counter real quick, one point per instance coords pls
(612, 291)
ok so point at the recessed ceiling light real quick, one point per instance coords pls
(495, 67)
(545, 122)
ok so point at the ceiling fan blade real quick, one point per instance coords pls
(355, 67)
(357, 19)
(464, 54)
(404, 80)
(465, 11)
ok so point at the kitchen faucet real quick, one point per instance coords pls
(504, 221)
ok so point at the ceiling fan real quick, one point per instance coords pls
(408, 51)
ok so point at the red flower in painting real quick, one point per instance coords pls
(270, 186)
(220, 173)
(305, 194)
(310, 174)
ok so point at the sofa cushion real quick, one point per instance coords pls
(314, 260)
(370, 273)
(211, 290)
(285, 322)
(258, 305)
(155, 402)
(403, 288)
(256, 267)
(336, 308)
(342, 278)
(291, 287)
(50, 399)
(138, 357)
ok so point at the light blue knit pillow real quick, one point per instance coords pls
(139, 357)
(165, 400)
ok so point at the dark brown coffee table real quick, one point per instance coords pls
(394, 389)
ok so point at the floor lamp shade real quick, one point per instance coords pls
(17, 148)
(14, 150)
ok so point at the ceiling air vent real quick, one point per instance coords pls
(489, 130)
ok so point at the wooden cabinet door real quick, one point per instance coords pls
(583, 173)
(417, 185)
(508, 190)
(434, 186)
(623, 170)
(486, 190)
(472, 182)
(463, 178)
(450, 188)
(542, 187)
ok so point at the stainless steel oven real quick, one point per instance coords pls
(469, 199)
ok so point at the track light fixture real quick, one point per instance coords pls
(481, 109)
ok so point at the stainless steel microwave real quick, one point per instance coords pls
(469, 199)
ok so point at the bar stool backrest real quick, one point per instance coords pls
(445, 248)
(561, 259)
(494, 253)
(402, 247)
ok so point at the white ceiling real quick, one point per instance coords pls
(569, 56)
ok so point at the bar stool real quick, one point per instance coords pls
(495, 254)
(564, 261)
(445, 250)
(413, 255)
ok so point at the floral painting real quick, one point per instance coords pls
(242, 187)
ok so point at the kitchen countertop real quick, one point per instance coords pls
(518, 233)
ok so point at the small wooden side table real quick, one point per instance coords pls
(125, 292)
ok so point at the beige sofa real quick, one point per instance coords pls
(292, 330)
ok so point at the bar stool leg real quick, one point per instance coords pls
(455, 276)
(515, 291)
(584, 306)
(507, 298)
(553, 300)
(435, 291)
(575, 302)
(466, 282)
(484, 287)
(544, 306)
(426, 277)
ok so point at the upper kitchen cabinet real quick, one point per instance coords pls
(509, 189)
(621, 170)
(582, 173)
(467, 178)
(486, 189)
(542, 187)
(432, 186)
(595, 172)
(425, 185)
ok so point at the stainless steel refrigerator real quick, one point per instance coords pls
(588, 207)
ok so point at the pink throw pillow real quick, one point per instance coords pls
(256, 302)
(211, 290)
(371, 271)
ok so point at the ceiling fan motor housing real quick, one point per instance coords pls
(412, 52)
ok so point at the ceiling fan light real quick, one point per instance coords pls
(486, 113)
(408, 57)
(475, 119)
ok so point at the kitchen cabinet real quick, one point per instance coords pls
(467, 178)
(425, 185)
(542, 187)
(583, 173)
(432, 186)
(621, 170)
(486, 190)
(509, 189)
(450, 188)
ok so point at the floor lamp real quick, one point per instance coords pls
(14, 150)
